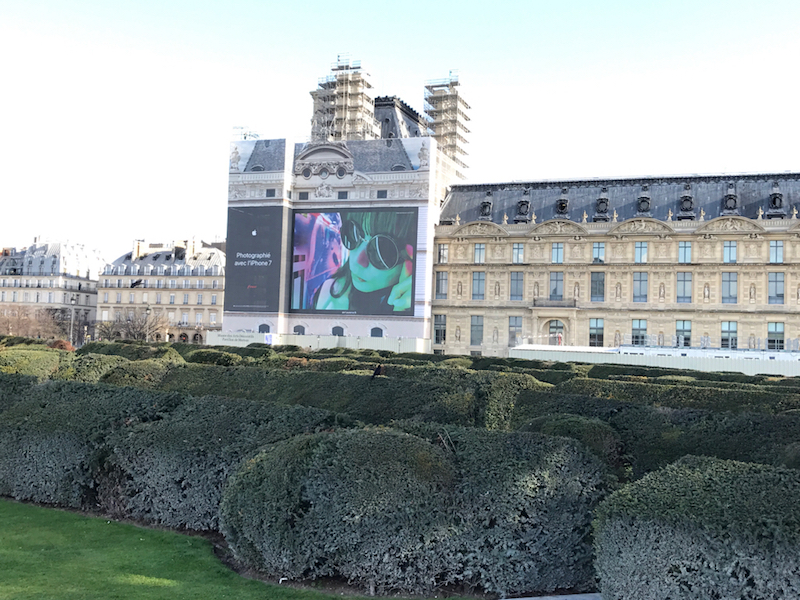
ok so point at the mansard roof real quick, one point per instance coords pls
(267, 155)
(776, 194)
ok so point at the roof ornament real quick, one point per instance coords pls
(669, 215)
(614, 218)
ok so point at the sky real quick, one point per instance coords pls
(117, 116)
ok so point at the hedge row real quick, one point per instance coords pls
(653, 437)
(393, 512)
(765, 399)
(133, 351)
(702, 528)
(605, 371)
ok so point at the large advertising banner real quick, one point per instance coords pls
(252, 272)
(358, 262)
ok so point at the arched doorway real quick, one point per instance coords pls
(338, 331)
(376, 332)
(555, 333)
(299, 330)
(183, 337)
(263, 328)
(197, 339)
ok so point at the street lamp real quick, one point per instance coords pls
(147, 312)
(71, 316)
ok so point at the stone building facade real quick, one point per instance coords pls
(693, 261)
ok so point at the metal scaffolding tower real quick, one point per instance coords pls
(446, 112)
(343, 109)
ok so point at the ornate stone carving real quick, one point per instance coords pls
(237, 192)
(461, 252)
(577, 251)
(729, 224)
(560, 227)
(423, 156)
(641, 226)
(482, 229)
(324, 191)
(498, 251)
(235, 160)
(315, 168)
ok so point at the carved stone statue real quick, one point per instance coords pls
(706, 292)
(235, 160)
(661, 293)
(423, 156)
(536, 290)
(669, 215)
(617, 339)
(459, 288)
(495, 335)
(505, 219)
(614, 218)
(458, 334)
(752, 292)
(576, 293)
(618, 291)
(496, 288)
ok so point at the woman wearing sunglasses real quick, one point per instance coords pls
(376, 276)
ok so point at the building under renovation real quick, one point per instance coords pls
(447, 114)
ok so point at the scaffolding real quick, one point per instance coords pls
(343, 109)
(446, 113)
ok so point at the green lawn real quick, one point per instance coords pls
(47, 553)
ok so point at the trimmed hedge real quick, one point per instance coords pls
(606, 370)
(40, 362)
(89, 368)
(702, 528)
(133, 351)
(392, 512)
(13, 388)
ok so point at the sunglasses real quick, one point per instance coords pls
(382, 250)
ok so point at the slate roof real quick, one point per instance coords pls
(707, 193)
(268, 155)
(374, 156)
(173, 257)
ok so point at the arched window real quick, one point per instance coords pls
(337, 331)
(184, 338)
(197, 339)
(556, 333)
(263, 328)
(299, 330)
(376, 332)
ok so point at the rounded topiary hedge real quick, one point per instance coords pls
(702, 528)
(416, 512)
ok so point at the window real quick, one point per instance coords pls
(596, 332)
(382, 194)
(105, 297)
(775, 288)
(302, 196)
(556, 331)
(443, 251)
(131, 298)
(144, 297)
(639, 332)
(185, 284)
(729, 337)
(515, 292)
(640, 287)
(598, 287)
(299, 329)
(198, 318)
(186, 298)
(376, 332)
(514, 331)
(476, 330)
(215, 283)
(213, 299)
(776, 252)
(158, 298)
(774, 336)
(685, 252)
(337, 331)
(341, 195)
(200, 283)
(160, 283)
(599, 252)
(683, 333)
(172, 298)
(478, 285)
(199, 298)
(119, 297)
(641, 252)
(270, 192)
(729, 291)
(684, 291)
(212, 318)
(439, 329)
(480, 254)
(729, 252)
(119, 283)
(557, 253)
(557, 286)
(172, 284)
(441, 285)
(184, 318)
(518, 253)
(105, 283)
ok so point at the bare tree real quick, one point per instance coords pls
(143, 326)
(24, 321)
(108, 330)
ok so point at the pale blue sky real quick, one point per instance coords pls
(117, 115)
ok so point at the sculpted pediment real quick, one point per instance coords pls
(558, 226)
(479, 228)
(730, 224)
(633, 226)
(320, 155)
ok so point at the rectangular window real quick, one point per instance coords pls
(776, 252)
(215, 284)
(160, 283)
(557, 253)
(302, 196)
(599, 252)
(478, 285)
(185, 284)
(641, 252)
(198, 318)
(199, 298)
(775, 288)
(640, 287)
(516, 285)
(200, 284)
(439, 329)
(596, 332)
(105, 297)
(213, 299)
(774, 336)
(144, 297)
(683, 333)
(514, 331)
(341, 196)
(685, 252)
(598, 287)
(441, 285)
(119, 297)
(557, 286)
(131, 298)
(105, 283)
(639, 332)
(729, 288)
(443, 252)
(172, 298)
(270, 192)
(729, 337)
(684, 288)
(382, 194)
(518, 253)
(158, 298)
(172, 284)
(119, 283)
(480, 254)
(212, 318)
(186, 298)
(476, 330)
(729, 252)
(185, 318)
